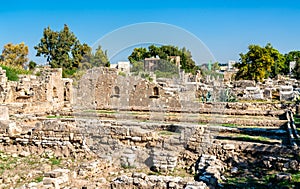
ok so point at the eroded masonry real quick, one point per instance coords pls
(115, 131)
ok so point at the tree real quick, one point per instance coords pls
(100, 58)
(32, 65)
(14, 55)
(97, 59)
(164, 52)
(166, 69)
(260, 63)
(215, 66)
(138, 54)
(137, 67)
(290, 57)
(61, 49)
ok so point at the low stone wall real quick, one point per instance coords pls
(40, 108)
(141, 180)
(222, 108)
(61, 138)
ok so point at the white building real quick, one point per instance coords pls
(122, 66)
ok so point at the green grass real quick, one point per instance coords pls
(236, 180)
(38, 179)
(253, 138)
(6, 162)
(106, 112)
(166, 133)
(160, 74)
(260, 182)
(228, 125)
(127, 167)
(55, 161)
(122, 74)
(296, 177)
(297, 120)
(180, 172)
(31, 161)
(249, 138)
(134, 113)
(155, 173)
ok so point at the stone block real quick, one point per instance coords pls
(283, 177)
(136, 139)
(4, 116)
(229, 147)
(13, 129)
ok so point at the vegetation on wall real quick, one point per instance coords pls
(13, 72)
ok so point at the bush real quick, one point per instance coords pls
(68, 72)
(13, 72)
(122, 74)
(32, 65)
(161, 74)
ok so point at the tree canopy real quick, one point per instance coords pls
(100, 58)
(62, 49)
(14, 55)
(260, 63)
(164, 52)
(97, 59)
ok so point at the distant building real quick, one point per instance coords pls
(223, 67)
(122, 66)
(150, 64)
(292, 66)
(230, 64)
(227, 66)
(176, 60)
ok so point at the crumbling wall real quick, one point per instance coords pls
(36, 94)
(108, 90)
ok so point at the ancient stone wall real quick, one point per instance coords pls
(36, 94)
(62, 139)
(103, 88)
(141, 180)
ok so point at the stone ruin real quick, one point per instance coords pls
(48, 92)
(126, 140)
(282, 90)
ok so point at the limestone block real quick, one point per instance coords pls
(229, 147)
(172, 185)
(4, 113)
(136, 139)
(25, 154)
(53, 174)
(12, 129)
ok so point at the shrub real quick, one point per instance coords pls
(13, 72)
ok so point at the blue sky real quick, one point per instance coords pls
(227, 27)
